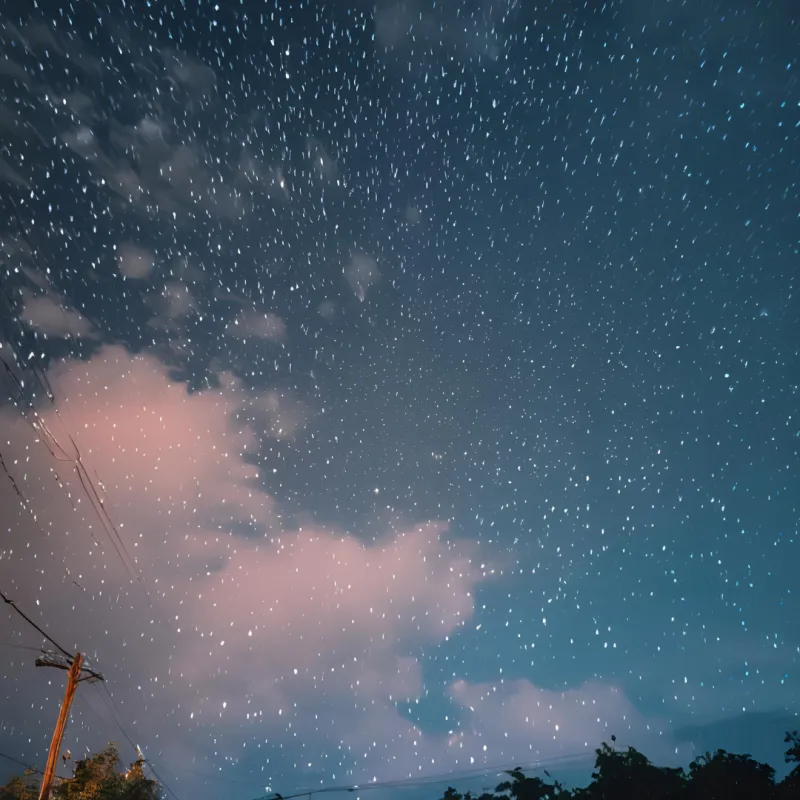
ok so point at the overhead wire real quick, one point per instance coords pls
(30, 622)
(23, 647)
(18, 762)
(51, 442)
(53, 446)
(28, 506)
(27, 766)
(60, 454)
(430, 780)
(160, 780)
(112, 706)
(91, 674)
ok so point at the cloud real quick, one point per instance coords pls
(327, 310)
(259, 325)
(255, 628)
(325, 166)
(82, 141)
(413, 215)
(134, 261)
(171, 305)
(9, 175)
(404, 25)
(52, 316)
(277, 414)
(196, 77)
(144, 159)
(148, 164)
(253, 172)
(543, 723)
(361, 273)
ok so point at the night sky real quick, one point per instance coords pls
(425, 383)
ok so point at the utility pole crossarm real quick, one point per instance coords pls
(52, 661)
(77, 673)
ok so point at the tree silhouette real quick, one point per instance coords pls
(628, 773)
(732, 777)
(618, 775)
(21, 788)
(789, 788)
(524, 787)
(792, 755)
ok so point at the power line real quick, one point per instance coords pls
(53, 660)
(160, 779)
(431, 780)
(20, 763)
(108, 701)
(111, 704)
(34, 625)
(476, 772)
(52, 445)
(28, 766)
(22, 647)
(47, 437)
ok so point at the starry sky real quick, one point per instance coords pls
(399, 389)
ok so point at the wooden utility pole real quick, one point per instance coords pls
(58, 734)
(74, 666)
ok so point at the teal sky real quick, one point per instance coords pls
(436, 366)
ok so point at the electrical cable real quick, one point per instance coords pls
(23, 647)
(111, 704)
(431, 780)
(28, 766)
(34, 625)
(50, 441)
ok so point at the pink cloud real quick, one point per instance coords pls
(163, 453)
(254, 629)
(279, 624)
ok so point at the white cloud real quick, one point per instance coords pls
(52, 316)
(134, 261)
(404, 25)
(171, 305)
(361, 273)
(257, 324)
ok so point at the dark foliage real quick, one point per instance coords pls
(627, 774)
(95, 778)
(618, 775)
